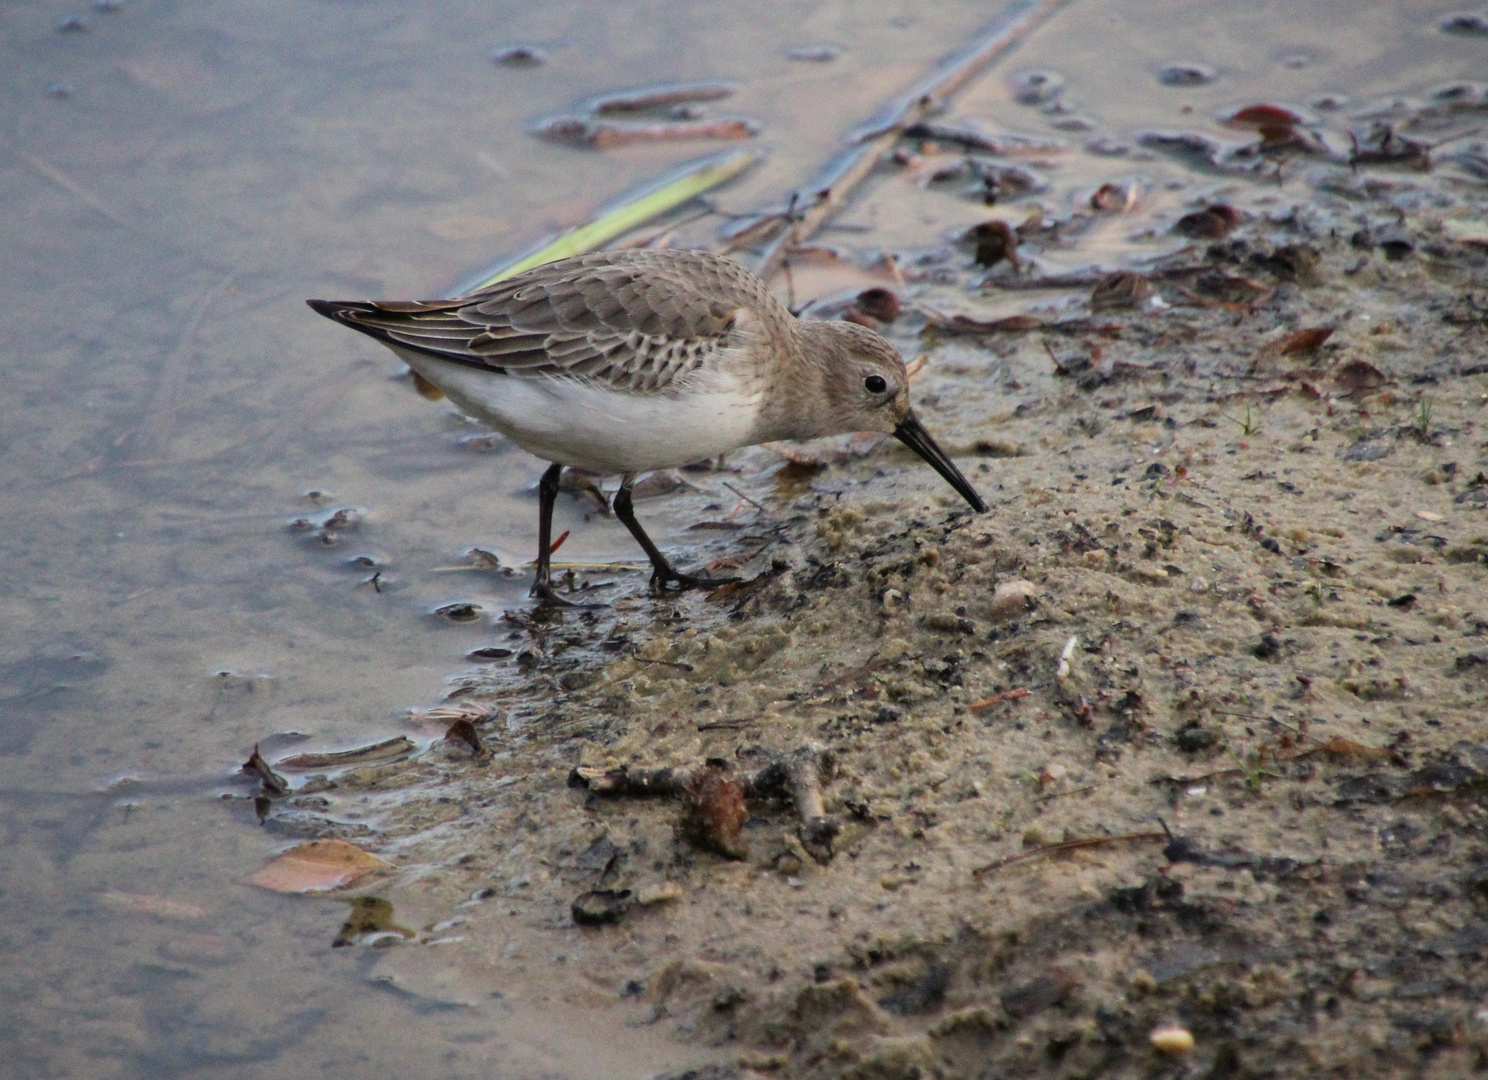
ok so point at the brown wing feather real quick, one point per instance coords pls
(638, 320)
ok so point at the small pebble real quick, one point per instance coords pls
(1037, 87)
(1013, 598)
(60, 90)
(1186, 75)
(108, 5)
(72, 24)
(1172, 1039)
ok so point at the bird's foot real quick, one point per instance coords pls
(548, 597)
(669, 575)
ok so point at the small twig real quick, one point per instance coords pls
(728, 725)
(678, 664)
(1200, 779)
(824, 195)
(1068, 845)
(1062, 794)
(929, 94)
(998, 699)
(746, 498)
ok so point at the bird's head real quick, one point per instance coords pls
(865, 387)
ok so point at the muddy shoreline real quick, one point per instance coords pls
(1250, 643)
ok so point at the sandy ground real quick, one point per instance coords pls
(1214, 756)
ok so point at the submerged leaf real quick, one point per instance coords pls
(317, 866)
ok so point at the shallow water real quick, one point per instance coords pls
(174, 181)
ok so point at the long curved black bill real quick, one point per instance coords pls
(913, 435)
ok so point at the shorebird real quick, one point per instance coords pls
(630, 361)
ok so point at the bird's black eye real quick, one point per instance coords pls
(875, 384)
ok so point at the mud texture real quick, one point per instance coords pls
(1227, 621)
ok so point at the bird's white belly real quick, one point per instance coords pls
(583, 424)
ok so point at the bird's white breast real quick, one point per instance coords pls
(587, 425)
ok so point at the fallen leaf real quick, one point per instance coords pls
(1358, 376)
(994, 241)
(273, 783)
(317, 866)
(1211, 223)
(1297, 341)
(878, 303)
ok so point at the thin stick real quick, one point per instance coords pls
(746, 498)
(823, 197)
(1068, 845)
(835, 181)
(929, 94)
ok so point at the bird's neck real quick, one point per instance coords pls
(800, 376)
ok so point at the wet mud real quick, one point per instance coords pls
(1185, 733)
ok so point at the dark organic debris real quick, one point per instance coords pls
(993, 242)
(1123, 289)
(1467, 24)
(602, 134)
(874, 307)
(1067, 845)
(1185, 74)
(1186, 849)
(976, 135)
(661, 96)
(518, 56)
(599, 907)
(715, 802)
(1211, 223)
(462, 730)
(1043, 992)
(462, 611)
(273, 784)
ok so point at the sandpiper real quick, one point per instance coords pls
(629, 361)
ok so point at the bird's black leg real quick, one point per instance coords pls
(547, 495)
(663, 571)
